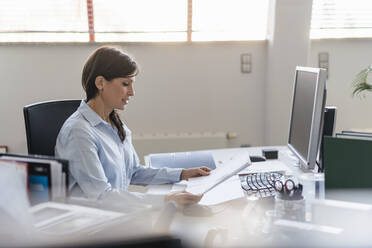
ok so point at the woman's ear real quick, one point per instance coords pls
(99, 82)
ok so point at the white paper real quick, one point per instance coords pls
(267, 166)
(14, 201)
(226, 191)
(56, 174)
(21, 169)
(201, 185)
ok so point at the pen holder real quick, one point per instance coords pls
(290, 209)
(313, 184)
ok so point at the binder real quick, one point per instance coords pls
(63, 162)
(40, 182)
(348, 162)
(47, 176)
(183, 160)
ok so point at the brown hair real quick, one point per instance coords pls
(110, 63)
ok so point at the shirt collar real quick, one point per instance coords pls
(89, 114)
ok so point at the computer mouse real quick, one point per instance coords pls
(257, 158)
(197, 211)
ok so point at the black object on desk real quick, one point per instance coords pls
(257, 158)
(270, 153)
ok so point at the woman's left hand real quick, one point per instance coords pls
(195, 172)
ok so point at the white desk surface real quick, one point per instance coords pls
(244, 221)
(222, 155)
(238, 217)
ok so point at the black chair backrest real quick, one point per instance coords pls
(43, 121)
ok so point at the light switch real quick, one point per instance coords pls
(246, 62)
(323, 61)
(246, 58)
(246, 68)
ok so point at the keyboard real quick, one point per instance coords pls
(260, 184)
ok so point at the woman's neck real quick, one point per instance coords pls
(99, 107)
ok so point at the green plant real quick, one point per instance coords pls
(360, 83)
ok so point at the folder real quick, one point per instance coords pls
(348, 162)
(47, 176)
(63, 162)
(40, 182)
(183, 160)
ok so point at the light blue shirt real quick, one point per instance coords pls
(99, 160)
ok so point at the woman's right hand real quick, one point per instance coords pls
(183, 198)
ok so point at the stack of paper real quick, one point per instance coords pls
(46, 178)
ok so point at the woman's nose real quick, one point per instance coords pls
(131, 91)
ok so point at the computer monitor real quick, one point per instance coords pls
(305, 128)
(329, 124)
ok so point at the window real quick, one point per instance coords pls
(132, 20)
(229, 20)
(43, 21)
(140, 20)
(341, 19)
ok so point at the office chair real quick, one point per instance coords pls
(43, 121)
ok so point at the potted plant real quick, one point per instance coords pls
(360, 83)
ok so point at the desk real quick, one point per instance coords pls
(243, 222)
(289, 164)
(248, 222)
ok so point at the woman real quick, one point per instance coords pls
(97, 143)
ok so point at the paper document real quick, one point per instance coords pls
(228, 190)
(181, 160)
(267, 166)
(201, 185)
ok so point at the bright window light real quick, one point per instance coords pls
(43, 21)
(215, 20)
(140, 20)
(341, 19)
(133, 20)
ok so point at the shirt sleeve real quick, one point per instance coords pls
(143, 175)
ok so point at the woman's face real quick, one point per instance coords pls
(117, 92)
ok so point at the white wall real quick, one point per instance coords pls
(346, 59)
(181, 87)
(197, 87)
(288, 47)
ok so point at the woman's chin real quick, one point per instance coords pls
(120, 107)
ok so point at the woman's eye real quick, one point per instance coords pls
(125, 84)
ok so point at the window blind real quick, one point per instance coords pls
(216, 20)
(132, 20)
(43, 21)
(140, 20)
(341, 19)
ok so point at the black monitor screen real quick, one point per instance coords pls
(302, 111)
